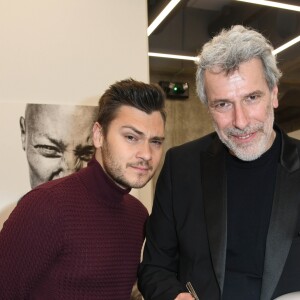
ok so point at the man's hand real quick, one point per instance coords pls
(184, 296)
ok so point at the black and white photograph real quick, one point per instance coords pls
(54, 141)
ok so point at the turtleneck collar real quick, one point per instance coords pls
(100, 184)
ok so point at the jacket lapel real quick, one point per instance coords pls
(283, 218)
(214, 195)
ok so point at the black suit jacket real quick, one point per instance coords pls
(186, 232)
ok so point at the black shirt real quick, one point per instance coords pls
(250, 191)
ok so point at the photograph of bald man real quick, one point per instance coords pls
(56, 139)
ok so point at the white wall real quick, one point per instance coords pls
(69, 50)
(62, 52)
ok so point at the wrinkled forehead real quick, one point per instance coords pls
(58, 115)
(65, 124)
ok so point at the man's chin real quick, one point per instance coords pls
(248, 157)
(125, 184)
(139, 185)
(246, 154)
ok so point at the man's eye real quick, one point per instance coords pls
(252, 98)
(85, 154)
(157, 143)
(131, 138)
(222, 106)
(48, 151)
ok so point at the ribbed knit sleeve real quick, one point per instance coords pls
(29, 242)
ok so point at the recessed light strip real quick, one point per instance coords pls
(173, 3)
(195, 58)
(286, 45)
(182, 57)
(273, 4)
(162, 15)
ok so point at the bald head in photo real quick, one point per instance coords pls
(57, 139)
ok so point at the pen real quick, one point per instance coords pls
(191, 290)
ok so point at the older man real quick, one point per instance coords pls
(226, 211)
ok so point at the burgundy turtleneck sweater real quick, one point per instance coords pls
(78, 237)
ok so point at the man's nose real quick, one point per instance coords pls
(144, 151)
(240, 117)
(70, 163)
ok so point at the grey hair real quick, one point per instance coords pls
(229, 49)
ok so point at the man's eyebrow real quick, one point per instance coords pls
(142, 133)
(158, 138)
(257, 92)
(215, 101)
(133, 129)
(83, 150)
(60, 144)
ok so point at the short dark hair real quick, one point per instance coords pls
(145, 97)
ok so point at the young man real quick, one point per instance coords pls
(80, 236)
(54, 145)
(226, 211)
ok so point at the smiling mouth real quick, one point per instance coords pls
(244, 137)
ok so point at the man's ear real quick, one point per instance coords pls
(23, 132)
(97, 135)
(275, 101)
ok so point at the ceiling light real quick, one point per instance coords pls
(195, 58)
(182, 57)
(272, 4)
(162, 16)
(286, 45)
(173, 3)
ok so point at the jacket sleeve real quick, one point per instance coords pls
(157, 278)
(29, 242)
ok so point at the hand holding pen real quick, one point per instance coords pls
(188, 296)
(191, 290)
